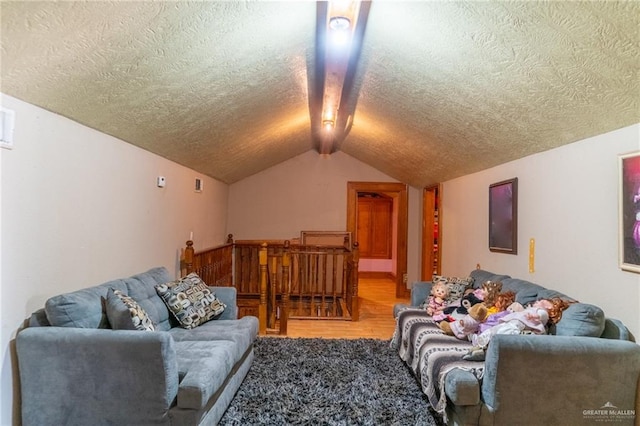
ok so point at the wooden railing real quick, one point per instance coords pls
(213, 265)
(324, 283)
(277, 280)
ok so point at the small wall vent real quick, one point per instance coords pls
(198, 186)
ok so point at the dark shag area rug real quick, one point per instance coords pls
(328, 382)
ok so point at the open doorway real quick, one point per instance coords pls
(399, 192)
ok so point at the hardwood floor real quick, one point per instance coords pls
(377, 297)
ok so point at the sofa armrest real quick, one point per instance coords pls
(228, 296)
(556, 378)
(462, 387)
(615, 329)
(96, 376)
(420, 290)
(39, 319)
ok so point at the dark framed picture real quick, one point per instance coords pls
(629, 211)
(503, 216)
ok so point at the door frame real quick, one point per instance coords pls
(399, 190)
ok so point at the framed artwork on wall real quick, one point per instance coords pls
(629, 211)
(503, 216)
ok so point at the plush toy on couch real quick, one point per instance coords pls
(467, 325)
(487, 294)
(458, 309)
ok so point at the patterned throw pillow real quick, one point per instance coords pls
(190, 300)
(456, 286)
(124, 313)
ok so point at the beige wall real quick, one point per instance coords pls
(80, 208)
(305, 193)
(568, 202)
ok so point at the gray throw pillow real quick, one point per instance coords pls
(580, 319)
(124, 313)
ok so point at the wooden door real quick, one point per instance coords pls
(375, 216)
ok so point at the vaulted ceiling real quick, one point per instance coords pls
(443, 88)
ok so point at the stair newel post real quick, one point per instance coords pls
(262, 308)
(355, 302)
(285, 287)
(188, 257)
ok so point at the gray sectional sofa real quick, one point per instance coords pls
(585, 371)
(76, 370)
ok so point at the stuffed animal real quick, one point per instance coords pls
(460, 308)
(467, 325)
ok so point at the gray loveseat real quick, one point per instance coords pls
(585, 371)
(76, 370)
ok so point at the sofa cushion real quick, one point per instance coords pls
(124, 313)
(455, 285)
(243, 332)
(481, 276)
(550, 294)
(142, 288)
(190, 301)
(82, 308)
(580, 319)
(203, 368)
(526, 292)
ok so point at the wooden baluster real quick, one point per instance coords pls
(273, 292)
(300, 282)
(188, 257)
(355, 302)
(324, 283)
(250, 263)
(285, 288)
(346, 281)
(295, 283)
(334, 292)
(300, 257)
(215, 267)
(262, 308)
(313, 283)
(237, 269)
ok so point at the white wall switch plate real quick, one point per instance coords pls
(7, 122)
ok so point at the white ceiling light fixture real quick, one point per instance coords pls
(340, 31)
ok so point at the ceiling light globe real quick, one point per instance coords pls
(339, 23)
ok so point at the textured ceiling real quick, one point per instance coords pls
(445, 88)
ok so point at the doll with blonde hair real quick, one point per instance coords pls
(437, 300)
